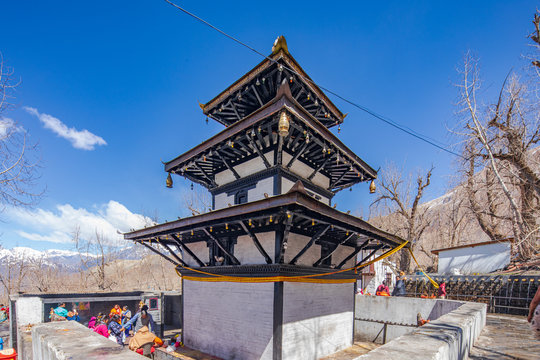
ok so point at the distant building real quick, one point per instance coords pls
(484, 257)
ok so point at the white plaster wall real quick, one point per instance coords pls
(244, 169)
(296, 243)
(229, 320)
(317, 319)
(29, 311)
(303, 170)
(263, 186)
(478, 259)
(287, 184)
(201, 250)
(222, 201)
(246, 251)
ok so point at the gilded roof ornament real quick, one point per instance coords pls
(201, 106)
(279, 44)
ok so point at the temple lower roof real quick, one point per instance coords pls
(294, 212)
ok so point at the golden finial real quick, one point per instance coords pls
(279, 44)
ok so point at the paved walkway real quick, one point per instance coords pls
(506, 337)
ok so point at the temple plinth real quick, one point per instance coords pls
(267, 272)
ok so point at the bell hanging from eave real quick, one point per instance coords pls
(372, 187)
(284, 124)
(169, 182)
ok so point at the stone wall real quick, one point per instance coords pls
(70, 340)
(229, 320)
(317, 319)
(247, 253)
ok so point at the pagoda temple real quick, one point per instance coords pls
(267, 273)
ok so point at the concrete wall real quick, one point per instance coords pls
(481, 259)
(451, 337)
(70, 340)
(219, 315)
(29, 310)
(397, 310)
(246, 251)
(317, 319)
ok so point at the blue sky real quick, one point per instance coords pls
(131, 73)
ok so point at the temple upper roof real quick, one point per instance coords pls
(260, 85)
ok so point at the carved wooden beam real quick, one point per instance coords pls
(229, 166)
(356, 251)
(159, 253)
(173, 254)
(188, 250)
(218, 243)
(298, 154)
(370, 255)
(257, 94)
(347, 238)
(261, 155)
(256, 242)
(338, 179)
(319, 168)
(319, 233)
(210, 180)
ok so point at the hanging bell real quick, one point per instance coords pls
(284, 124)
(169, 182)
(372, 187)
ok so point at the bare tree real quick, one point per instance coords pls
(500, 140)
(13, 272)
(400, 198)
(96, 255)
(18, 160)
(454, 218)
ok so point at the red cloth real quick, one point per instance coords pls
(442, 289)
(140, 351)
(383, 288)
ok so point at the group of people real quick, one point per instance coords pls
(60, 313)
(399, 289)
(118, 324)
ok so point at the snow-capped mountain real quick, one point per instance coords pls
(64, 259)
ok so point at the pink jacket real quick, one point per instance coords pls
(102, 330)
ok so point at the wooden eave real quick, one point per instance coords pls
(295, 202)
(282, 100)
(289, 60)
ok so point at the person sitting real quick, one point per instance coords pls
(92, 323)
(102, 328)
(383, 290)
(144, 341)
(142, 318)
(73, 315)
(61, 310)
(115, 329)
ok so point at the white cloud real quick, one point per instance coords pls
(6, 125)
(60, 225)
(84, 139)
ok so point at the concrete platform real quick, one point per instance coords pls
(506, 337)
(351, 353)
